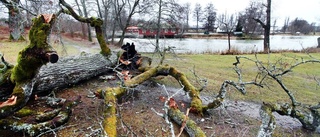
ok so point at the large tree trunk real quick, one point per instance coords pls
(72, 70)
(266, 41)
(266, 26)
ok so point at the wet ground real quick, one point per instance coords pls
(136, 118)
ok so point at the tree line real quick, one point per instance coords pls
(117, 15)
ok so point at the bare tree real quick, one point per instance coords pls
(266, 25)
(83, 29)
(39, 52)
(209, 17)
(187, 13)
(167, 11)
(134, 7)
(197, 13)
(274, 26)
(300, 26)
(40, 6)
(107, 4)
(99, 9)
(308, 115)
(250, 26)
(228, 23)
(285, 25)
(118, 8)
(85, 14)
(16, 26)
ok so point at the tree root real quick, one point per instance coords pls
(48, 121)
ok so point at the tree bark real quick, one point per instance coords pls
(83, 3)
(30, 60)
(71, 70)
(266, 26)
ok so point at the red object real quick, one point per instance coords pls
(152, 32)
(173, 104)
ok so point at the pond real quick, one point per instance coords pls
(190, 45)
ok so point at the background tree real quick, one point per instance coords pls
(239, 26)
(274, 26)
(180, 16)
(106, 17)
(187, 9)
(209, 17)
(133, 7)
(300, 26)
(118, 6)
(285, 25)
(166, 13)
(83, 28)
(250, 26)
(84, 5)
(40, 6)
(197, 13)
(266, 25)
(15, 21)
(228, 23)
(99, 9)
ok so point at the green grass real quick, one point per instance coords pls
(11, 49)
(217, 68)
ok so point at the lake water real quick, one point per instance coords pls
(220, 45)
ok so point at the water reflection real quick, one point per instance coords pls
(221, 45)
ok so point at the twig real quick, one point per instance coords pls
(199, 80)
(167, 107)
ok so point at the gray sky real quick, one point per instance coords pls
(303, 9)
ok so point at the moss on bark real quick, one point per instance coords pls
(29, 62)
(191, 127)
(111, 95)
(94, 22)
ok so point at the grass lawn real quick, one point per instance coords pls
(217, 68)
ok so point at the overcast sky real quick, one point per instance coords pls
(303, 9)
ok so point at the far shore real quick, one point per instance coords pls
(225, 36)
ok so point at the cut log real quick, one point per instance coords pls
(71, 70)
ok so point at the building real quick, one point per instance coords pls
(152, 32)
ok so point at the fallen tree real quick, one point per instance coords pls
(17, 82)
(30, 59)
